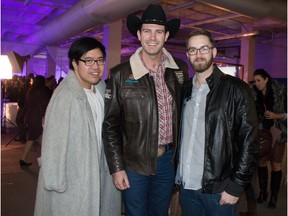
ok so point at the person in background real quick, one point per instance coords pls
(219, 135)
(51, 82)
(271, 103)
(20, 112)
(142, 111)
(60, 80)
(14, 89)
(36, 102)
(74, 178)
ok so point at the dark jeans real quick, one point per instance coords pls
(151, 195)
(196, 203)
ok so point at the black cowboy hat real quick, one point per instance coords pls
(154, 14)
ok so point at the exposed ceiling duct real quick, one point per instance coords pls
(23, 29)
(83, 16)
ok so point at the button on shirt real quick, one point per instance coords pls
(164, 101)
(193, 138)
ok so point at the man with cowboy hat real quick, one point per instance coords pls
(142, 111)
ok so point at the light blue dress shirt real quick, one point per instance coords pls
(190, 167)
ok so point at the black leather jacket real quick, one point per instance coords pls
(231, 134)
(130, 127)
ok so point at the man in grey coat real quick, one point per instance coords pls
(74, 177)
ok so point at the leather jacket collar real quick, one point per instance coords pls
(214, 78)
(139, 70)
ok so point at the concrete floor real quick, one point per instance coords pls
(18, 186)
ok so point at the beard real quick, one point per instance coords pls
(203, 66)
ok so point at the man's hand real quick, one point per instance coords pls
(120, 180)
(227, 199)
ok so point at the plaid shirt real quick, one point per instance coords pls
(164, 99)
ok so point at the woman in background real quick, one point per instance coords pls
(271, 104)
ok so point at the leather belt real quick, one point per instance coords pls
(163, 148)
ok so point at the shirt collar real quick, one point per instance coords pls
(139, 69)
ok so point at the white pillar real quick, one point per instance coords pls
(112, 41)
(50, 66)
(247, 56)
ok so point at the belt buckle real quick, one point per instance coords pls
(161, 150)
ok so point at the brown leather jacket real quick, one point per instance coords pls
(130, 127)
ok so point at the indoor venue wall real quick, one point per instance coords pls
(37, 66)
(272, 56)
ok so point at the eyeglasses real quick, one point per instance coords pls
(90, 62)
(202, 50)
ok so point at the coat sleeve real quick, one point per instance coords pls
(111, 129)
(246, 134)
(55, 143)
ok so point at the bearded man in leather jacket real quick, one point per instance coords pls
(219, 144)
(142, 110)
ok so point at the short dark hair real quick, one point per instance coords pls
(81, 46)
(201, 32)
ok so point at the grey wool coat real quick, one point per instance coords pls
(73, 179)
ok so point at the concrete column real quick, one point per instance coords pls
(26, 68)
(247, 56)
(112, 34)
(50, 66)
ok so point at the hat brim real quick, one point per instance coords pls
(133, 25)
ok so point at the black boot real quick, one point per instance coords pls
(276, 177)
(263, 183)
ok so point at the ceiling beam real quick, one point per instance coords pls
(240, 35)
(212, 20)
(256, 8)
